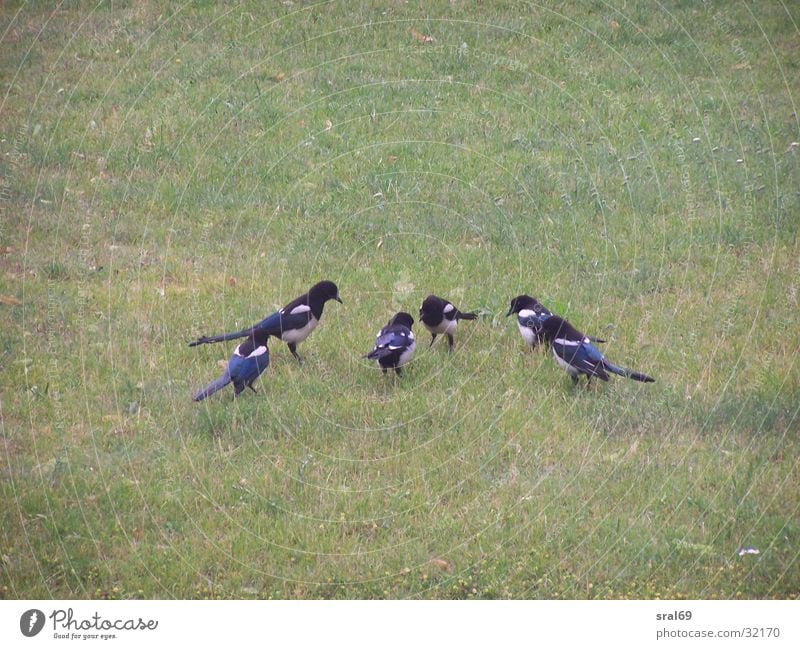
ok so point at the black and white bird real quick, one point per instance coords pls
(575, 353)
(292, 324)
(441, 317)
(248, 362)
(530, 315)
(394, 344)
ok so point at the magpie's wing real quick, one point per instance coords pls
(284, 320)
(298, 302)
(389, 341)
(581, 355)
(589, 359)
(269, 326)
(251, 360)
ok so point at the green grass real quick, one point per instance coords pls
(175, 170)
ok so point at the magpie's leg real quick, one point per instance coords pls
(397, 370)
(433, 338)
(383, 369)
(574, 379)
(250, 385)
(293, 348)
(450, 342)
(588, 381)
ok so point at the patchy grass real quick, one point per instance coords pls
(175, 170)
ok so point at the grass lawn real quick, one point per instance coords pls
(169, 170)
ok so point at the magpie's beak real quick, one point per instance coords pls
(338, 299)
(510, 311)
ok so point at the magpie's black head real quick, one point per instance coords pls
(431, 305)
(522, 302)
(402, 318)
(324, 291)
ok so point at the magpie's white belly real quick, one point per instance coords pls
(564, 365)
(444, 327)
(407, 354)
(299, 335)
(527, 334)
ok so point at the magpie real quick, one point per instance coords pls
(394, 344)
(441, 317)
(248, 362)
(292, 324)
(530, 315)
(576, 355)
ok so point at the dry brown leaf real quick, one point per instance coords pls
(614, 24)
(9, 300)
(232, 281)
(328, 125)
(279, 77)
(441, 564)
(422, 38)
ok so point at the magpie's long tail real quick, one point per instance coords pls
(215, 385)
(466, 316)
(630, 374)
(375, 354)
(204, 340)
